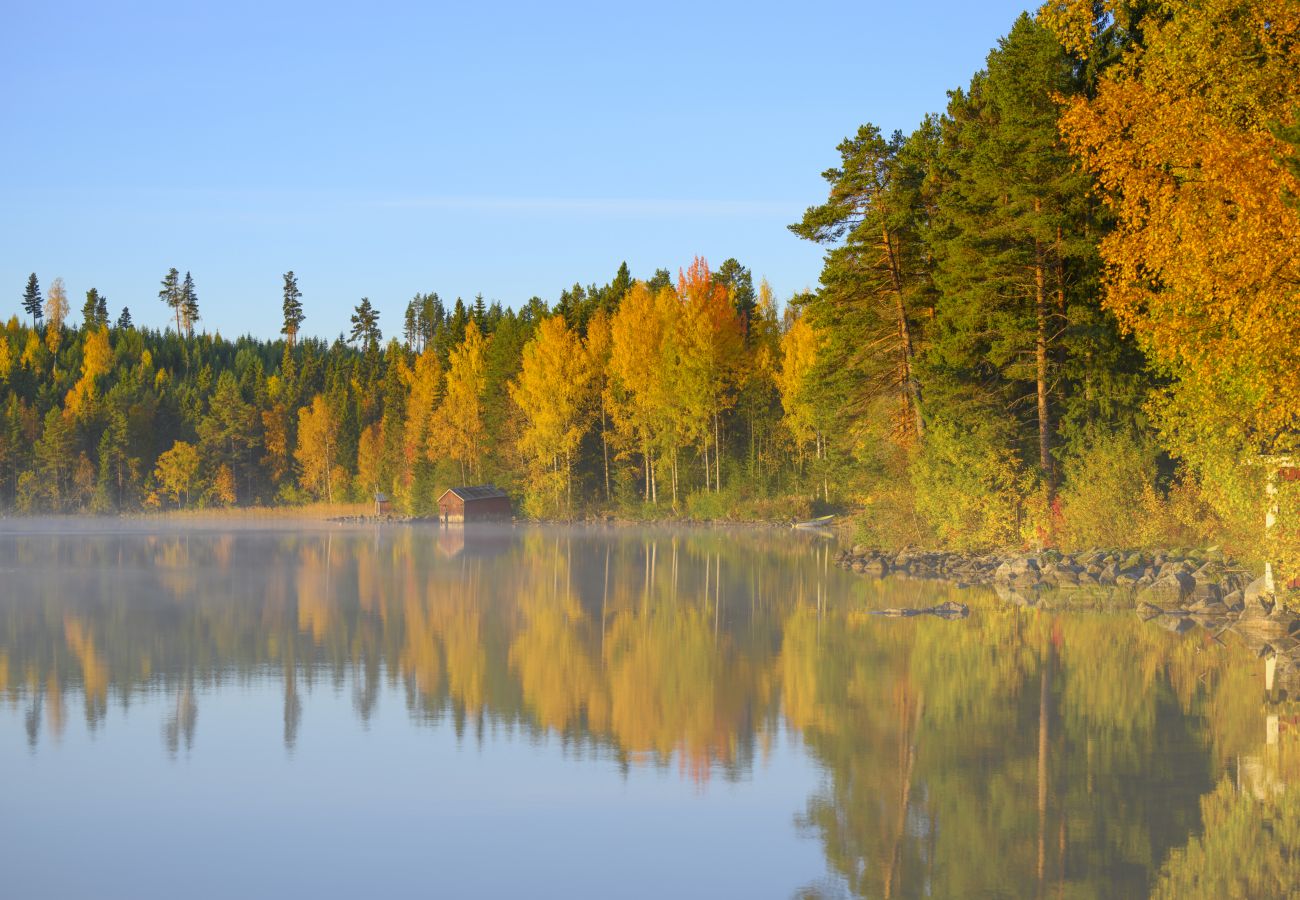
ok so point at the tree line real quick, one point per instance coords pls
(599, 401)
(1056, 311)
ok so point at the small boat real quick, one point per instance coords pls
(819, 522)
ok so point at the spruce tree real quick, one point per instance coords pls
(124, 320)
(189, 305)
(293, 314)
(101, 311)
(33, 305)
(90, 310)
(740, 288)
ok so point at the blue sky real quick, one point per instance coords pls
(388, 148)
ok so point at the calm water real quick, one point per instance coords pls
(305, 710)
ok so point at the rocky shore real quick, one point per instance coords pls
(1197, 581)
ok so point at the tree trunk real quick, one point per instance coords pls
(717, 453)
(604, 446)
(654, 481)
(674, 479)
(1041, 352)
(911, 388)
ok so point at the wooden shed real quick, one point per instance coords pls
(383, 506)
(480, 503)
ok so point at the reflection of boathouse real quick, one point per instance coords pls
(482, 503)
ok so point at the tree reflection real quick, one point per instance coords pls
(1014, 753)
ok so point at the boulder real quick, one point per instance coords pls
(1234, 601)
(1256, 600)
(1168, 592)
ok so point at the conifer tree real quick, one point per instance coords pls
(365, 326)
(124, 320)
(1014, 246)
(90, 310)
(740, 289)
(170, 294)
(33, 305)
(189, 305)
(875, 286)
(293, 314)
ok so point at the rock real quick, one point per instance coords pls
(1168, 592)
(1234, 601)
(1210, 608)
(1132, 561)
(949, 609)
(1205, 592)
(1256, 601)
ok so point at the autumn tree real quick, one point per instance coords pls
(56, 312)
(1185, 139)
(640, 342)
(177, 471)
(552, 392)
(456, 430)
(96, 362)
(424, 392)
(799, 347)
(710, 340)
(317, 449)
(598, 347)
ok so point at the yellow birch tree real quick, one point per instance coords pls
(551, 391)
(456, 430)
(317, 447)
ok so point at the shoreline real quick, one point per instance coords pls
(1204, 584)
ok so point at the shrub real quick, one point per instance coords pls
(969, 487)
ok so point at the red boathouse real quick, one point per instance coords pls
(481, 503)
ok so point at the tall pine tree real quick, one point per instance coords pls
(33, 304)
(293, 314)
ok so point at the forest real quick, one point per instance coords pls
(1058, 311)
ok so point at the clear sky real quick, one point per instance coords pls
(384, 149)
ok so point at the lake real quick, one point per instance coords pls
(217, 709)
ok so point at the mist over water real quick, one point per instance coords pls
(217, 709)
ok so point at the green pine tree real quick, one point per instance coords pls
(33, 305)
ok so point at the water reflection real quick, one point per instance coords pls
(1014, 753)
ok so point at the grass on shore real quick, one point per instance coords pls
(255, 513)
